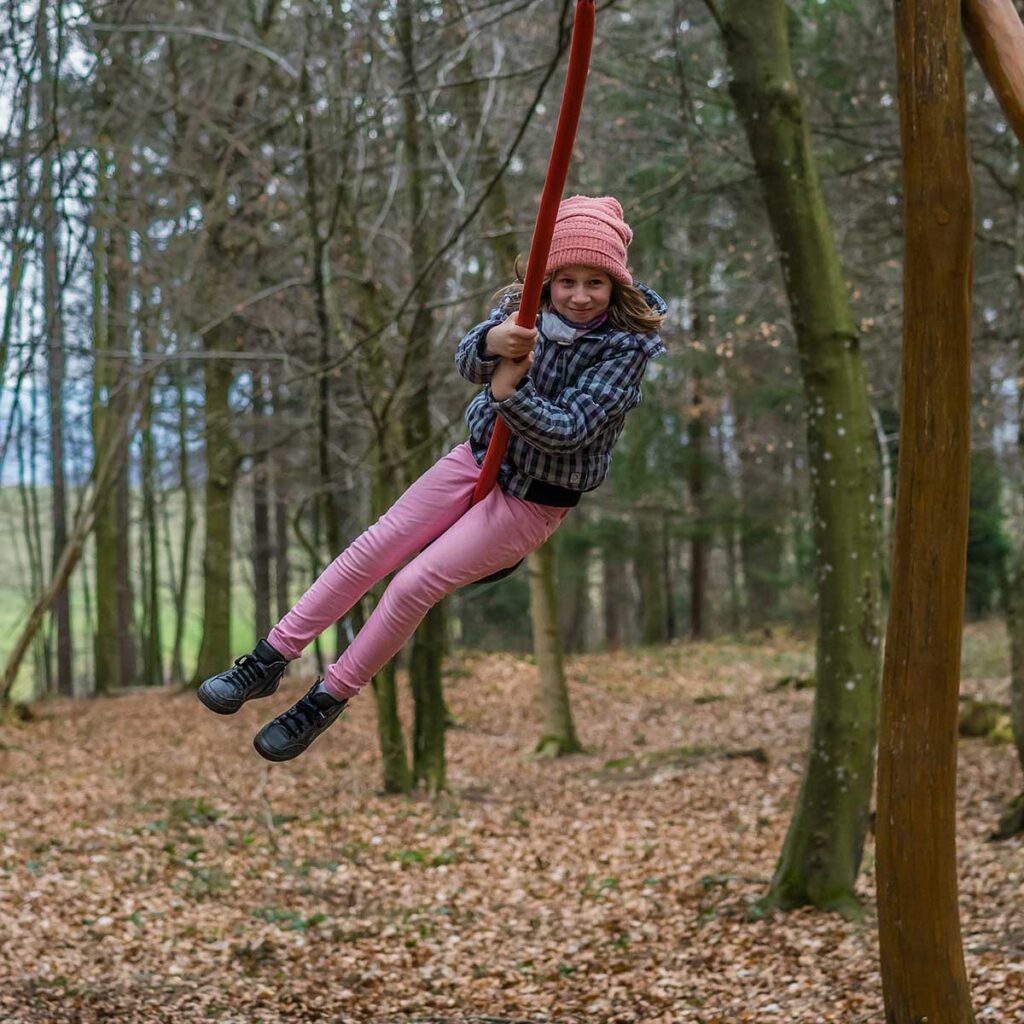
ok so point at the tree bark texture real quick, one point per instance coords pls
(558, 733)
(823, 848)
(923, 976)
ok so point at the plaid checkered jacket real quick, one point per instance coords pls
(569, 410)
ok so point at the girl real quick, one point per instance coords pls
(564, 390)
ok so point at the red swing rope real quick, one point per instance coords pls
(554, 185)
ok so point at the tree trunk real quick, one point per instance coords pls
(577, 561)
(695, 481)
(188, 523)
(616, 584)
(760, 535)
(822, 852)
(1014, 822)
(397, 773)
(28, 498)
(729, 531)
(647, 560)
(261, 546)
(282, 562)
(328, 511)
(114, 639)
(558, 734)
(923, 975)
(428, 642)
(428, 699)
(221, 472)
(152, 665)
(54, 335)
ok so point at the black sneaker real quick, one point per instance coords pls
(253, 675)
(290, 733)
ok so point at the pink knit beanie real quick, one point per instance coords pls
(590, 232)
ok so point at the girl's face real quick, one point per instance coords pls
(580, 293)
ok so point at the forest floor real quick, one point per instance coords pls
(154, 869)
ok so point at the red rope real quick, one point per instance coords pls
(554, 185)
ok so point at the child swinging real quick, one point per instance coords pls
(564, 389)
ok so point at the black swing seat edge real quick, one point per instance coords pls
(499, 575)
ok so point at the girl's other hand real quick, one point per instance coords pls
(509, 340)
(507, 374)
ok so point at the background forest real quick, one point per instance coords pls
(238, 246)
(214, 274)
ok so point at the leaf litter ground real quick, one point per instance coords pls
(154, 869)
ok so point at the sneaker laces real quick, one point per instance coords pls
(247, 669)
(299, 718)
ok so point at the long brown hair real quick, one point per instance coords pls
(627, 310)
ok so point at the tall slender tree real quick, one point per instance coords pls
(923, 973)
(54, 331)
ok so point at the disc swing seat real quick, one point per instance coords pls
(544, 227)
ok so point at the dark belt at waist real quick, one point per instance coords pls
(540, 491)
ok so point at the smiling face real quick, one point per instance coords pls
(580, 293)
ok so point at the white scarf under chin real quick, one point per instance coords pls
(555, 329)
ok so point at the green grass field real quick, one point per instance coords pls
(16, 592)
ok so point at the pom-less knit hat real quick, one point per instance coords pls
(590, 232)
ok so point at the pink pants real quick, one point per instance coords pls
(468, 544)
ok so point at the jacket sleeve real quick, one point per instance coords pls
(471, 359)
(605, 391)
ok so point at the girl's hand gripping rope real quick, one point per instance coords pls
(509, 340)
(508, 374)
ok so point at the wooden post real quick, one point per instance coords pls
(923, 974)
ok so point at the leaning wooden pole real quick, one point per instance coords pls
(996, 34)
(923, 974)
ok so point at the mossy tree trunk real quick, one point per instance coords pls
(558, 733)
(823, 848)
(923, 975)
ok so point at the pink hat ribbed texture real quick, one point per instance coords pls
(590, 232)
